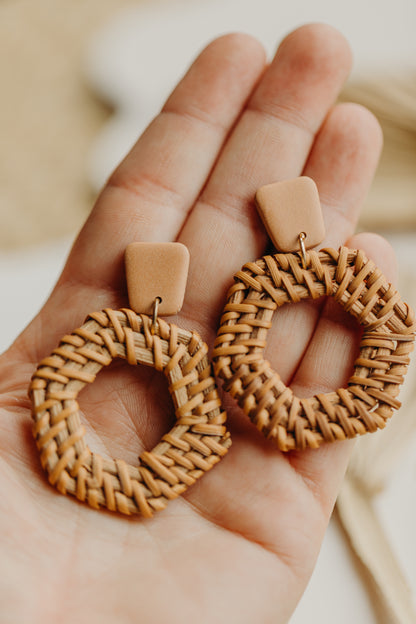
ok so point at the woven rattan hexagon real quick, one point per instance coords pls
(197, 441)
(362, 290)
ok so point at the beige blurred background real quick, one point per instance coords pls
(49, 118)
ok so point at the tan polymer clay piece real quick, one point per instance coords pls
(165, 267)
(288, 208)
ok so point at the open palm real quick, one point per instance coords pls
(241, 544)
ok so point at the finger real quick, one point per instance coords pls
(150, 194)
(349, 151)
(328, 364)
(271, 141)
(342, 163)
(352, 136)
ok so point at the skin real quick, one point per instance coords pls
(241, 544)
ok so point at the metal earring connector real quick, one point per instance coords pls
(302, 237)
(155, 314)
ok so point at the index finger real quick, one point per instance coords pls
(150, 194)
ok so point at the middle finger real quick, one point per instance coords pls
(271, 142)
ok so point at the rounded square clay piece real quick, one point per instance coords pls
(288, 208)
(156, 270)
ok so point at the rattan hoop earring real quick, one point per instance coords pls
(292, 215)
(199, 438)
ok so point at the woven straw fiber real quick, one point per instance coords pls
(362, 290)
(197, 441)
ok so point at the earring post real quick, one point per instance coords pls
(302, 237)
(155, 314)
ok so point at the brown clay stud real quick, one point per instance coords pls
(156, 270)
(289, 208)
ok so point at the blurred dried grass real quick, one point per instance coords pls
(391, 203)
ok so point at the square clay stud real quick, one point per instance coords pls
(156, 270)
(289, 208)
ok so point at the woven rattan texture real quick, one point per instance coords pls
(362, 290)
(197, 441)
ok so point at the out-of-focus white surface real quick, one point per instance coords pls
(336, 593)
(26, 279)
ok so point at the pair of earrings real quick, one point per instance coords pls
(156, 278)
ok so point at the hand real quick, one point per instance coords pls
(241, 544)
